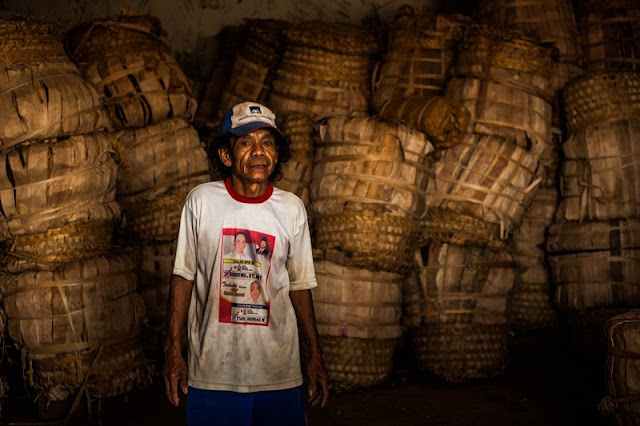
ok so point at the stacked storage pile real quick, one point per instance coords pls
(552, 22)
(150, 103)
(368, 192)
(597, 277)
(254, 65)
(325, 71)
(70, 305)
(622, 365)
(476, 200)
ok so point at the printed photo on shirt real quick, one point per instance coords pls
(246, 259)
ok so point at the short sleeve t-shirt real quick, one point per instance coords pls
(236, 344)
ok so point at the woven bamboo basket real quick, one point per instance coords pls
(599, 98)
(255, 64)
(296, 174)
(485, 177)
(418, 59)
(308, 80)
(551, 21)
(42, 94)
(595, 264)
(444, 120)
(507, 58)
(562, 73)
(57, 197)
(160, 157)
(599, 175)
(500, 110)
(447, 226)
(356, 364)
(622, 363)
(610, 36)
(67, 320)
(135, 72)
(366, 164)
(356, 302)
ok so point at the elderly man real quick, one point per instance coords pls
(244, 364)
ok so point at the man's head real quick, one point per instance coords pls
(250, 146)
(263, 242)
(254, 289)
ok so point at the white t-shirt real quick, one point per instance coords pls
(233, 345)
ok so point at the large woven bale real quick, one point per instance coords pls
(419, 56)
(254, 65)
(132, 69)
(296, 174)
(78, 322)
(598, 98)
(161, 164)
(550, 21)
(595, 264)
(609, 34)
(487, 178)
(58, 198)
(622, 368)
(42, 94)
(599, 176)
(456, 310)
(368, 188)
(309, 79)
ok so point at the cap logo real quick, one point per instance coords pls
(255, 110)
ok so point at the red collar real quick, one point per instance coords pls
(249, 200)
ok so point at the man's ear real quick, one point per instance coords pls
(223, 153)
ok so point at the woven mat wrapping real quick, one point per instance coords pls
(462, 352)
(357, 302)
(488, 178)
(447, 226)
(531, 306)
(599, 98)
(550, 21)
(45, 98)
(357, 364)
(155, 267)
(368, 164)
(159, 156)
(458, 284)
(333, 37)
(505, 111)
(593, 236)
(599, 174)
(610, 36)
(135, 72)
(28, 38)
(444, 120)
(296, 174)
(622, 361)
(50, 184)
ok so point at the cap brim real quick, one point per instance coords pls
(250, 127)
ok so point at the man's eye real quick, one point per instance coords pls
(268, 142)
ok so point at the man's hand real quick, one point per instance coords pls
(318, 381)
(175, 375)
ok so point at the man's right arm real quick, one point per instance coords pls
(175, 367)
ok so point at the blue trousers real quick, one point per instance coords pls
(225, 408)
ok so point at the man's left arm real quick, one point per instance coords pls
(316, 370)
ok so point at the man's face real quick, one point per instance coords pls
(251, 157)
(255, 291)
(239, 243)
(263, 244)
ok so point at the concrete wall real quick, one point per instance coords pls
(192, 25)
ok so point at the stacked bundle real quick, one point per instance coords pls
(610, 35)
(358, 313)
(149, 99)
(455, 306)
(57, 196)
(368, 191)
(325, 71)
(621, 368)
(597, 275)
(418, 58)
(254, 66)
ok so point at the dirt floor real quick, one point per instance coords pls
(552, 379)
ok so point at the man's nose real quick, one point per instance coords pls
(258, 149)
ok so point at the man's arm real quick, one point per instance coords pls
(316, 370)
(175, 368)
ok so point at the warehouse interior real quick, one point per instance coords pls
(470, 172)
